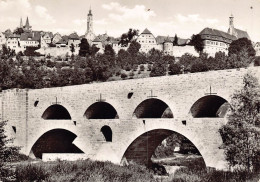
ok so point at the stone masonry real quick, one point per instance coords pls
(133, 138)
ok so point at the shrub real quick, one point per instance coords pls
(198, 67)
(131, 74)
(142, 68)
(149, 68)
(82, 170)
(123, 75)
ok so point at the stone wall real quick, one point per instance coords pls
(179, 92)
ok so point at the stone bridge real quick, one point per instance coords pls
(123, 119)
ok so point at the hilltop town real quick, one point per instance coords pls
(55, 44)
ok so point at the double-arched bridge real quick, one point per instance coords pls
(123, 119)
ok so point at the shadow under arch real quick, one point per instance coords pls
(107, 132)
(153, 108)
(55, 141)
(101, 110)
(143, 147)
(56, 111)
(212, 106)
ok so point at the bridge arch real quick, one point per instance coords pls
(142, 147)
(101, 110)
(212, 106)
(56, 111)
(54, 141)
(153, 108)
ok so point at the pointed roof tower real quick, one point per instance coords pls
(27, 25)
(21, 23)
(89, 12)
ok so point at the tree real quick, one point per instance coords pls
(197, 42)
(134, 47)
(94, 49)
(174, 69)
(241, 134)
(127, 37)
(158, 69)
(7, 52)
(31, 51)
(84, 48)
(18, 31)
(7, 152)
(186, 61)
(72, 48)
(241, 44)
(175, 41)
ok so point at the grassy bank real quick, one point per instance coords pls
(94, 171)
(189, 175)
(86, 170)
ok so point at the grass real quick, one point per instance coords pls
(190, 175)
(96, 171)
(83, 170)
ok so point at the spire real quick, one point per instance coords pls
(21, 23)
(27, 25)
(89, 12)
(231, 29)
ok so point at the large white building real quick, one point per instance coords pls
(216, 40)
(165, 44)
(147, 41)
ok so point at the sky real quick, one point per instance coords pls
(114, 17)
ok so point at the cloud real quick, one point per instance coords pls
(42, 12)
(11, 7)
(189, 18)
(195, 18)
(212, 21)
(79, 22)
(123, 13)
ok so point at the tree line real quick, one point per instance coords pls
(21, 70)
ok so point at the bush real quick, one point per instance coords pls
(149, 68)
(123, 75)
(257, 61)
(190, 175)
(82, 170)
(131, 74)
(198, 67)
(142, 68)
(174, 69)
(31, 172)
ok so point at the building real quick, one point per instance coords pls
(216, 40)
(147, 41)
(257, 48)
(74, 39)
(30, 39)
(47, 37)
(63, 42)
(90, 36)
(13, 41)
(27, 27)
(236, 32)
(2, 39)
(56, 38)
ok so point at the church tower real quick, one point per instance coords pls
(231, 29)
(90, 21)
(90, 36)
(21, 23)
(27, 27)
